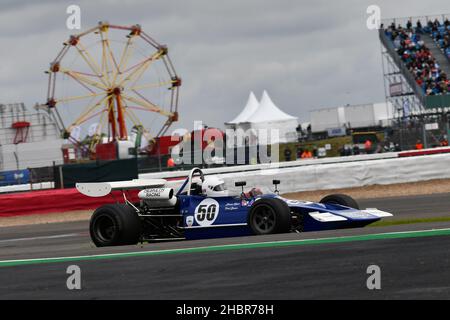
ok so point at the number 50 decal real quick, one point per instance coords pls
(206, 212)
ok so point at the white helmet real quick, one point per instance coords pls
(213, 186)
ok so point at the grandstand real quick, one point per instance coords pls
(417, 62)
(416, 67)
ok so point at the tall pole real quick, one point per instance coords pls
(111, 117)
(120, 118)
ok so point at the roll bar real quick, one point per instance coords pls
(188, 181)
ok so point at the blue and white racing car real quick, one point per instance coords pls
(203, 208)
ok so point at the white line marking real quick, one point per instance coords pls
(41, 238)
(133, 253)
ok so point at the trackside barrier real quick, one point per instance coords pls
(56, 200)
(260, 167)
(318, 176)
(424, 152)
(348, 174)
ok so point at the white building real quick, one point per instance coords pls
(351, 116)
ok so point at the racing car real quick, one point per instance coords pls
(203, 208)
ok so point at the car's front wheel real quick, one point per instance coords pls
(268, 216)
(341, 199)
(115, 225)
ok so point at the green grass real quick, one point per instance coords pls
(385, 223)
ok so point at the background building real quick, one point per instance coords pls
(27, 139)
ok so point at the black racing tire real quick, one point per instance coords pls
(341, 199)
(268, 216)
(115, 225)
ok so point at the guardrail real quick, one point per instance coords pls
(334, 173)
(349, 174)
(325, 173)
(319, 174)
(270, 166)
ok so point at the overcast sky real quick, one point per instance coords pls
(306, 54)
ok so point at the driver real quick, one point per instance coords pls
(213, 186)
(253, 193)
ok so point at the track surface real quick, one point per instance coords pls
(411, 267)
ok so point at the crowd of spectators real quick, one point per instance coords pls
(441, 34)
(417, 56)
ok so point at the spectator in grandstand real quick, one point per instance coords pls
(409, 25)
(356, 150)
(170, 162)
(419, 28)
(368, 146)
(299, 152)
(388, 146)
(287, 154)
(347, 150)
(379, 148)
(418, 58)
(307, 154)
(315, 152)
(441, 35)
(443, 140)
(419, 145)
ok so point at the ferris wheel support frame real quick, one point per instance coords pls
(112, 86)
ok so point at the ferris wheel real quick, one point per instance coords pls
(108, 79)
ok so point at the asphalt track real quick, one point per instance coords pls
(328, 264)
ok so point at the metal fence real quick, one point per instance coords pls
(430, 130)
(198, 158)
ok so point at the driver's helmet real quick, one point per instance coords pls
(213, 186)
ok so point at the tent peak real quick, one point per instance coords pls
(250, 107)
(268, 111)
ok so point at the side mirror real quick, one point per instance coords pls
(241, 184)
(276, 183)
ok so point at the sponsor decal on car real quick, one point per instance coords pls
(153, 192)
(206, 212)
(189, 221)
(247, 203)
(325, 217)
(356, 214)
(232, 206)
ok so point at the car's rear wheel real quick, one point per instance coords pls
(115, 225)
(269, 216)
(341, 199)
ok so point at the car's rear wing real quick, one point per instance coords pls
(100, 189)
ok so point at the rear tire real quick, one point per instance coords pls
(269, 216)
(341, 199)
(115, 225)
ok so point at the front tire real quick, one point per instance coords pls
(269, 216)
(341, 199)
(115, 225)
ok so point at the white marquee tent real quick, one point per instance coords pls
(249, 109)
(267, 122)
